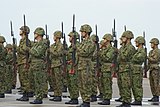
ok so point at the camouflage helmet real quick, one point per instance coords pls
(140, 39)
(108, 37)
(2, 39)
(155, 41)
(93, 37)
(9, 46)
(71, 34)
(39, 31)
(86, 28)
(128, 34)
(58, 34)
(25, 29)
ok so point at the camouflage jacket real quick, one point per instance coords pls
(154, 58)
(56, 52)
(9, 58)
(21, 51)
(3, 53)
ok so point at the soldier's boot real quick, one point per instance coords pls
(84, 104)
(56, 99)
(124, 105)
(104, 102)
(2, 95)
(154, 99)
(138, 103)
(93, 98)
(72, 102)
(9, 91)
(64, 89)
(51, 89)
(23, 98)
(100, 95)
(36, 102)
(119, 99)
(30, 94)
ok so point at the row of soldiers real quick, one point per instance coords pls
(81, 72)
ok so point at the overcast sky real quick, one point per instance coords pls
(137, 15)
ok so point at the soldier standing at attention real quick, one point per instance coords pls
(72, 74)
(137, 72)
(85, 53)
(154, 69)
(3, 53)
(56, 52)
(37, 56)
(23, 68)
(107, 56)
(124, 59)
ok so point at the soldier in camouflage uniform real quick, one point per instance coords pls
(107, 57)
(94, 76)
(72, 74)
(154, 69)
(124, 59)
(22, 66)
(56, 52)
(85, 53)
(3, 53)
(137, 71)
(9, 68)
(37, 58)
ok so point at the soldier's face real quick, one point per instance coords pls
(124, 39)
(20, 32)
(137, 44)
(54, 38)
(70, 39)
(83, 34)
(152, 45)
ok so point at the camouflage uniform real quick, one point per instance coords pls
(137, 72)
(106, 57)
(9, 68)
(154, 74)
(72, 75)
(56, 51)
(124, 60)
(85, 52)
(3, 54)
(37, 56)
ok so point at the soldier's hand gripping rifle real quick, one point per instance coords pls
(65, 49)
(115, 53)
(27, 42)
(14, 50)
(97, 51)
(145, 62)
(48, 62)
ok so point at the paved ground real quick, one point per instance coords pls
(10, 101)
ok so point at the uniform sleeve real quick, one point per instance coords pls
(108, 56)
(139, 56)
(58, 51)
(154, 56)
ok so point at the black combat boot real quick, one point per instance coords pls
(72, 102)
(51, 89)
(2, 95)
(64, 89)
(84, 104)
(104, 102)
(23, 98)
(93, 98)
(119, 99)
(36, 102)
(30, 94)
(9, 91)
(154, 99)
(100, 95)
(56, 98)
(138, 103)
(124, 105)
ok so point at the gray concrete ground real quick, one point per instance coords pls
(10, 100)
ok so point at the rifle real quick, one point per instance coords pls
(74, 43)
(145, 62)
(14, 49)
(65, 48)
(125, 29)
(27, 41)
(115, 45)
(48, 52)
(97, 57)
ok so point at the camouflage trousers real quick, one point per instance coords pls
(24, 78)
(72, 80)
(119, 83)
(9, 77)
(154, 79)
(94, 83)
(107, 84)
(125, 78)
(2, 80)
(56, 76)
(39, 79)
(136, 82)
